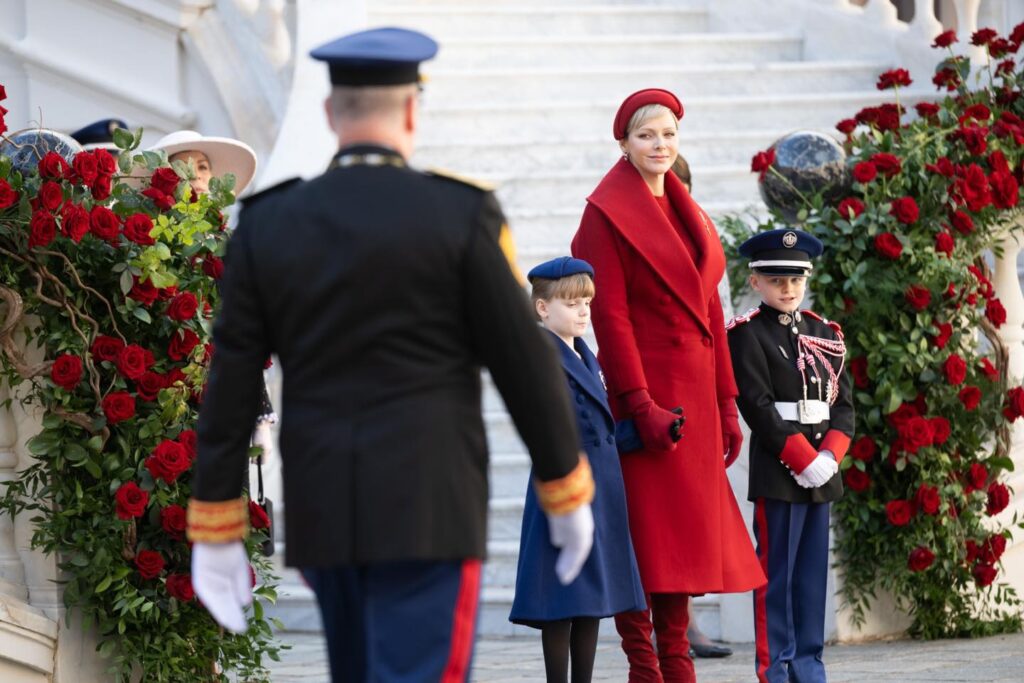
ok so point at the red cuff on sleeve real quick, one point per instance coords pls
(837, 442)
(797, 453)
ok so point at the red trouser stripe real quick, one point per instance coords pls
(463, 624)
(761, 596)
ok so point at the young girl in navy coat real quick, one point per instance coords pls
(609, 583)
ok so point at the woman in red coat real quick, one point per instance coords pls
(659, 325)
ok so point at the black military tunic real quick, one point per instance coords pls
(765, 348)
(382, 290)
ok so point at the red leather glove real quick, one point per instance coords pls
(732, 435)
(658, 428)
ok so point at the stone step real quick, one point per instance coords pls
(473, 85)
(502, 436)
(548, 190)
(505, 518)
(529, 122)
(477, 158)
(617, 50)
(447, 22)
(500, 567)
(509, 475)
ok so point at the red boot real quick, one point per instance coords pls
(635, 630)
(671, 619)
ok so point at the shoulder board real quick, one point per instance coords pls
(465, 180)
(831, 323)
(738, 320)
(273, 189)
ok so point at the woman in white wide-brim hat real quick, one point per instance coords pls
(211, 156)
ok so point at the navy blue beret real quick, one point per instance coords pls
(98, 133)
(380, 56)
(782, 252)
(560, 267)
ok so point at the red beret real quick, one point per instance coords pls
(642, 98)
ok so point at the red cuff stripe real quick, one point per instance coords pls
(837, 442)
(797, 453)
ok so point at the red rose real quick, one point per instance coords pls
(851, 207)
(104, 223)
(943, 167)
(173, 521)
(85, 167)
(918, 296)
(901, 415)
(856, 480)
(859, 370)
(66, 371)
(944, 244)
(894, 78)
(927, 499)
(997, 160)
(978, 112)
(182, 344)
(106, 348)
(149, 563)
(187, 439)
(8, 197)
(926, 109)
(977, 478)
(762, 161)
(962, 222)
(884, 117)
(955, 369)
(144, 292)
(864, 449)
(179, 586)
(106, 164)
(183, 307)
(942, 338)
(137, 228)
(970, 551)
(920, 559)
(984, 574)
(888, 246)
(865, 172)
(131, 361)
(162, 200)
(990, 371)
(131, 500)
(1014, 403)
(905, 210)
(998, 498)
(970, 397)
(1016, 36)
(1005, 68)
(174, 376)
(165, 179)
(972, 188)
(51, 195)
(148, 386)
(945, 39)
(213, 267)
(118, 406)
(887, 164)
(52, 165)
(42, 229)
(846, 126)
(983, 36)
(258, 518)
(940, 430)
(1005, 190)
(916, 433)
(100, 187)
(995, 312)
(168, 461)
(899, 512)
(74, 222)
(992, 549)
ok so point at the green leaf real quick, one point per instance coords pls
(123, 139)
(142, 314)
(126, 282)
(104, 584)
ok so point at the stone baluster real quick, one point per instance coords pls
(1007, 286)
(881, 12)
(925, 25)
(12, 571)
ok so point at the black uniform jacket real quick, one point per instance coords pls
(764, 354)
(382, 290)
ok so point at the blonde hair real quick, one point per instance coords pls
(572, 286)
(646, 113)
(352, 103)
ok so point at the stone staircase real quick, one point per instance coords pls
(523, 94)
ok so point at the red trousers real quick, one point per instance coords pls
(667, 616)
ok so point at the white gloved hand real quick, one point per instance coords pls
(220, 576)
(263, 436)
(821, 469)
(573, 532)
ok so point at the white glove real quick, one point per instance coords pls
(220, 576)
(263, 437)
(573, 532)
(821, 469)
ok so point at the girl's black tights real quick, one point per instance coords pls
(574, 639)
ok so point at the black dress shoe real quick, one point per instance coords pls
(709, 651)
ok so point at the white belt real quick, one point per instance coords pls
(804, 412)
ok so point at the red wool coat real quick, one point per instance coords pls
(659, 326)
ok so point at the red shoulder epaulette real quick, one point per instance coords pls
(742, 318)
(831, 323)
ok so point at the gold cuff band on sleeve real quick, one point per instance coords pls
(217, 521)
(561, 496)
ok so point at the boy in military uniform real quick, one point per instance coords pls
(797, 400)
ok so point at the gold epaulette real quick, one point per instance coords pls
(561, 496)
(737, 320)
(465, 180)
(508, 248)
(217, 521)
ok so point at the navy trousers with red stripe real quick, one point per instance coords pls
(399, 622)
(789, 613)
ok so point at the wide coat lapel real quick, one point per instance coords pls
(586, 373)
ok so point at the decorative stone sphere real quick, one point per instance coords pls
(811, 162)
(26, 147)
